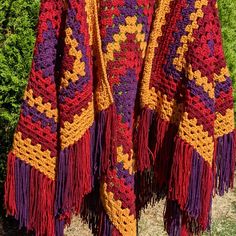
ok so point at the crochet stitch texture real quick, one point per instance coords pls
(127, 102)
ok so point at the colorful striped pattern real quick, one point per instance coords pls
(30, 184)
(127, 101)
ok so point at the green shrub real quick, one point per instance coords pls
(227, 9)
(18, 20)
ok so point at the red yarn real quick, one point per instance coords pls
(78, 181)
(109, 152)
(9, 197)
(41, 204)
(180, 172)
(144, 154)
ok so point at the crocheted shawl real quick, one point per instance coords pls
(127, 102)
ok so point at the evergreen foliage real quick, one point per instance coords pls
(18, 19)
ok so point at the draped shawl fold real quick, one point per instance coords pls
(127, 101)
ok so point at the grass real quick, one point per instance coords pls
(224, 227)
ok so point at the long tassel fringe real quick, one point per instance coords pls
(172, 218)
(79, 166)
(180, 172)
(29, 197)
(191, 186)
(143, 160)
(225, 162)
(93, 214)
(106, 136)
(163, 151)
(155, 145)
(74, 178)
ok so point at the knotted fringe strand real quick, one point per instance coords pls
(180, 172)
(225, 162)
(29, 197)
(74, 179)
(93, 214)
(143, 152)
(144, 190)
(175, 222)
(10, 195)
(79, 165)
(163, 151)
(91, 210)
(106, 136)
(191, 187)
(155, 144)
(172, 218)
(60, 224)
(144, 185)
(105, 227)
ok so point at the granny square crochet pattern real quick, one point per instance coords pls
(127, 102)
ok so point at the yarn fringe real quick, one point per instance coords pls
(144, 190)
(143, 160)
(172, 218)
(163, 151)
(74, 178)
(180, 172)
(155, 144)
(29, 197)
(175, 222)
(10, 187)
(191, 186)
(225, 162)
(105, 149)
(105, 227)
(93, 214)
(91, 210)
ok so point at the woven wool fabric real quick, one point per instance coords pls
(127, 102)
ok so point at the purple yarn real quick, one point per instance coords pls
(223, 86)
(111, 31)
(224, 161)
(193, 205)
(198, 91)
(124, 174)
(38, 116)
(22, 178)
(100, 124)
(170, 67)
(173, 218)
(62, 167)
(211, 44)
(46, 52)
(72, 88)
(125, 94)
(127, 10)
(78, 85)
(107, 227)
(18, 188)
(92, 151)
(74, 24)
(59, 227)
